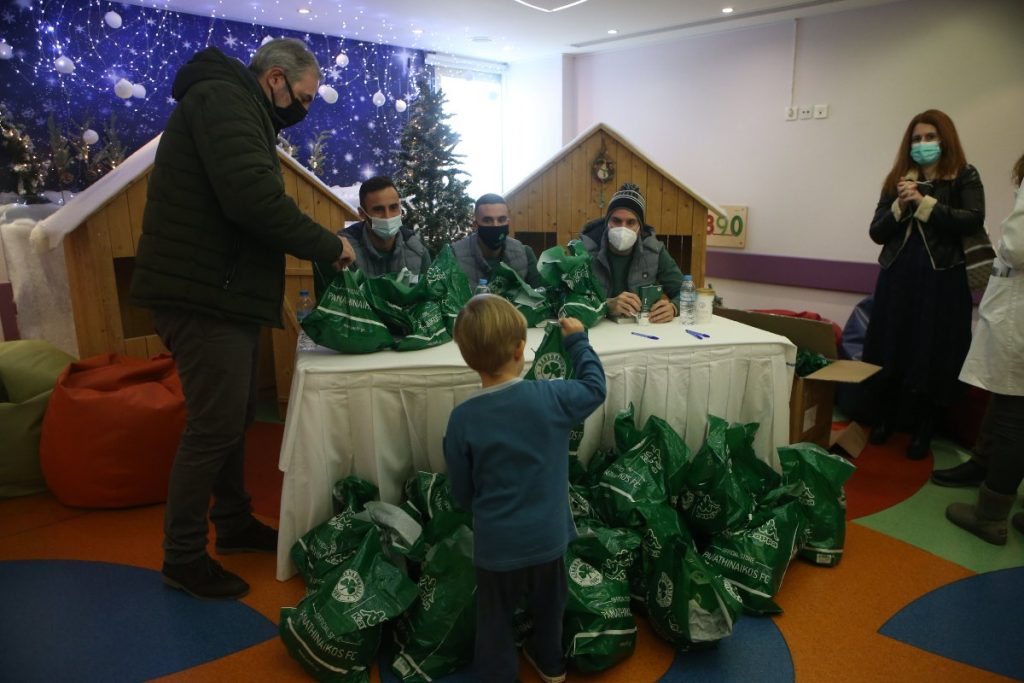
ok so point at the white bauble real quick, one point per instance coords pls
(139, 91)
(266, 40)
(341, 59)
(64, 65)
(123, 89)
(113, 19)
(90, 137)
(400, 106)
(6, 51)
(329, 94)
(379, 99)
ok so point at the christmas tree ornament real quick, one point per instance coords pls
(266, 39)
(123, 89)
(329, 94)
(400, 106)
(341, 60)
(6, 51)
(112, 19)
(379, 99)
(64, 65)
(139, 91)
(90, 137)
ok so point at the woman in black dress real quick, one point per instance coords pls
(920, 327)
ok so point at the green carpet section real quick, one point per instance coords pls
(910, 521)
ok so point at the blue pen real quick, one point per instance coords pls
(698, 335)
(646, 336)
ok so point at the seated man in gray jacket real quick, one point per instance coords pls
(381, 243)
(626, 255)
(480, 252)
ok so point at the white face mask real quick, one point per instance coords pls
(621, 239)
(386, 228)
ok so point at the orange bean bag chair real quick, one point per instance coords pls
(111, 431)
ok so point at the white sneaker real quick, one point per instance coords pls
(547, 678)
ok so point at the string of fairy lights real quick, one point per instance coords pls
(94, 64)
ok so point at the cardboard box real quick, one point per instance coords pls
(812, 397)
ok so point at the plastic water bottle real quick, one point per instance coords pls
(481, 287)
(688, 301)
(304, 306)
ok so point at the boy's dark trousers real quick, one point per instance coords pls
(542, 589)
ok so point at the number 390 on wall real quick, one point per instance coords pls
(730, 230)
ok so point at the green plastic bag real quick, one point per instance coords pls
(327, 546)
(599, 629)
(713, 497)
(448, 286)
(343, 320)
(550, 361)
(754, 559)
(352, 493)
(687, 601)
(626, 432)
(435, 638)
(651, 472)
(412, 314)
(334, 633)
(756, 476)
(532, 303)
(817, 477)
(569, 276)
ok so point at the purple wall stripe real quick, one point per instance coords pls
(8, 312)
(840, 276)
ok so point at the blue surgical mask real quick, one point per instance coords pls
(386, 228)
(925, 153)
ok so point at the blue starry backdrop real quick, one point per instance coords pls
(104, 71)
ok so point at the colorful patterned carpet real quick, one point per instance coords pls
(914, 598)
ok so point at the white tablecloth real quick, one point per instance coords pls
(382, 416)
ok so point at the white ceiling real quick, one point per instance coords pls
(505, 30)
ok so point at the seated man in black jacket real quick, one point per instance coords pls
(627, 255)
(381, 243)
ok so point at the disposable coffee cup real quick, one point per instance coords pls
(705, 304)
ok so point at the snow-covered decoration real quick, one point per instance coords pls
(379, 99)
(39, 280)
(139, 91)
(49, 233)
(341, 60)
(348, 194)
(329, 94)
(400, 106)
(123, 88)
(64, 65)
(112, 19)
(90, 137)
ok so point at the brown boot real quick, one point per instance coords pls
(987, 519)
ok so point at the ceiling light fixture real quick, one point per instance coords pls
(612, 31)
(727, 10)
(303, 10)
(417, 32)
(551, 5)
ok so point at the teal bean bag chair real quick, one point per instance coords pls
(28, 373)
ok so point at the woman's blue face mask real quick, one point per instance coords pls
(925, 153)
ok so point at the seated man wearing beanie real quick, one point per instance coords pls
(381, 243)
(627, 255)
(480, 252)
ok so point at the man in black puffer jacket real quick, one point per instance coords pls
(210, 266)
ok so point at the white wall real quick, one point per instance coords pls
(709, 109)
(533, 121)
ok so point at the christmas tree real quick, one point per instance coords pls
(427, 174)
(24, 170)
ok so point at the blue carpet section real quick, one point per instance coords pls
(756, 651)
(978, 621)
(64, 620)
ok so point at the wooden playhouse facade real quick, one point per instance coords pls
(551, 205)
(100, 257)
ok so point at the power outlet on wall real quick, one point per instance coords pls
(806, 111)
(821, 111)
(791, 113)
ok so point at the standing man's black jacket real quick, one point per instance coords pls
(217, 223)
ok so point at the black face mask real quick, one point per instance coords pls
(493, 236)
(290, 115)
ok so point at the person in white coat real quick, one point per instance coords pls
(996, 362)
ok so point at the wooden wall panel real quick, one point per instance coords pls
(136, 194)
(699, 242)
(563, 185)
(94, 302)
(119, 225)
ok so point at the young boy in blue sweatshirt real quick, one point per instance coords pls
(507, 453)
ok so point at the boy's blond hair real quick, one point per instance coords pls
(488, 331)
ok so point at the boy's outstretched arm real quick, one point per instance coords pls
(588, 390)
